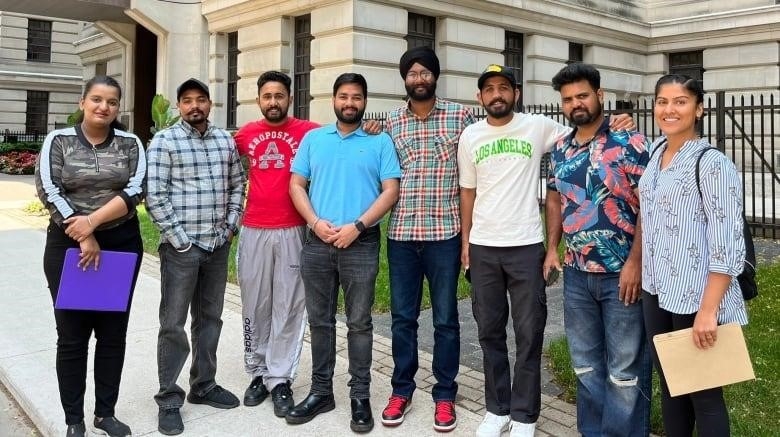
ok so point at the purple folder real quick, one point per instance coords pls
(107, 289)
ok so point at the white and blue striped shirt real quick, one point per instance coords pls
(685, 238)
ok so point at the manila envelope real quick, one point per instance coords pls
(688, 369)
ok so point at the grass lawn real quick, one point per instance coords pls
(151, 239)
(754, 406)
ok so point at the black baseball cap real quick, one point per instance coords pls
(496, 70)
(192, 84)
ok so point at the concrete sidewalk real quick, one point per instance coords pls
(27, 361)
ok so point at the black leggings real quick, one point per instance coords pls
(705, 410)
(74, 327)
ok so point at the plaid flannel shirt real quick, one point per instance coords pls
(195, 186)
(428, 207)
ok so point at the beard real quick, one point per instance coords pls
(499, 113)
(427, 92)
(349, 119)
(274, 114)
(195, 117)
(583, 116)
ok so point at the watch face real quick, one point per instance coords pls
(360, 226)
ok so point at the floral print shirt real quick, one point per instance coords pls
(597, 182)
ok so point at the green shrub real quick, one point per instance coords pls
(22, 146)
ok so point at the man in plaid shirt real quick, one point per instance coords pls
(424, 236)
(195, 197)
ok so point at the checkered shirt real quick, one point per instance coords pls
(195, 186)
(428, 207)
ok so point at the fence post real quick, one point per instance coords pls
(720, 120)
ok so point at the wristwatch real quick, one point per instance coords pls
(359, 225)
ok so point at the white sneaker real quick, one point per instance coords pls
(493, 425)
(520, 429)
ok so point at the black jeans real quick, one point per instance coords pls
(703, 410)
(516, 272)
(194, 280)
(324, 268)
(75, 327)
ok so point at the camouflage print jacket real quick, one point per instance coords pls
(75, 178)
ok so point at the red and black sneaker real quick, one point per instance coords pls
(396, 410)
(444, 418)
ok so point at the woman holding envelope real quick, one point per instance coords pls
(91, 178)
(692, 246)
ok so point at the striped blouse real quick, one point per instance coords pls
(683, 238)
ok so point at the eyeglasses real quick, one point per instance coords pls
(424, 75)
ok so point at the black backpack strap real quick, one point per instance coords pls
(657, 147)
(698, 167)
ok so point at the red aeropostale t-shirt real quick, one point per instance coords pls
(270, 150)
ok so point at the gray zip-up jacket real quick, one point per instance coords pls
(73, 177)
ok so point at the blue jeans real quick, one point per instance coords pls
(324, 268)
(610, 356)
(193, 280)
(439, 262)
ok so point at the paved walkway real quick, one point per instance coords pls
(27, 357)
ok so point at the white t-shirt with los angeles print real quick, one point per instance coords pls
(502, 163)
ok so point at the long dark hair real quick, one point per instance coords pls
(108, 81)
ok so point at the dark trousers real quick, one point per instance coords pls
(409, 263)
(703, 410)
(192, 281)
(74, 327)
(496, 271)
(324, 268)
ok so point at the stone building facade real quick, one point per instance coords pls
(40, 72)
(732, 46)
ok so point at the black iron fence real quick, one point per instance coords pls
(9, 136)
(746, 128)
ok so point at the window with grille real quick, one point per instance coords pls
(688, 63)
(37, 112)
(39, 41)
(575, 53)
(513, 58)
(232, 79)
(422, 31)
(302, 67)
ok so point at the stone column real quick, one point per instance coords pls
(465, 48)
(360, 37)
(264, 46)
(544, 57)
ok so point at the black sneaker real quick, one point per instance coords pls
(169, 421)
(282, 397)
(77, 430)
(110, 426)
(256, 393)
(217, 397)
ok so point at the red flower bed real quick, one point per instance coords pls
(18, 162)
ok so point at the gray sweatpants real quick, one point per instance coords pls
(273, 301)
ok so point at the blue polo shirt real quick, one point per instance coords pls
(345, 173)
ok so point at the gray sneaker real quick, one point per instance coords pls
(77, 430)
(169, 421)
(110, 426)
